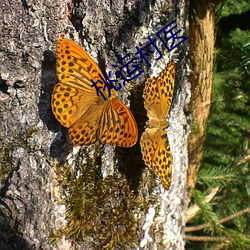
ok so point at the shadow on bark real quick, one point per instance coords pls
(130, 159)
(61, 145)
(9, 239)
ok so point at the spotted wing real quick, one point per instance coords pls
(156, 154)
(73, 95)
(117, 125)
(158, 93)
(85, 130)
(76, 104)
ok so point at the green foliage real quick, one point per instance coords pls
(218, 176)
(226, 153)
(230, 7)
(207, 211)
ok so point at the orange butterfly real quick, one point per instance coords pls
(76, 106)
(158, 93)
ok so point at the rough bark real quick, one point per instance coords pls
(201, 42)
(36, 156)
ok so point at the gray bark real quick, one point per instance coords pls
(34, 147)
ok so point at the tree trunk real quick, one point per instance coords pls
(201, 42)
(54, 196)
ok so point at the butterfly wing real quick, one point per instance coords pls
(75, 67)
(76, 105)
(117, 125)
(85, 130)
(156, 153)
(73, 95)
(158, 93)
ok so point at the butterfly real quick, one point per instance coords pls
(157, 95)
(76, 105)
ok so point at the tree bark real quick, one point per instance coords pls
(201, 42)
(44, 193)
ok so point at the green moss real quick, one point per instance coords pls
(132, 84)
(105, 212)
(19, 140)
(28, 133)
(165, 10)
(5, 161)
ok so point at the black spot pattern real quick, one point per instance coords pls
(158, 93)
(75, 69)
(118, 125)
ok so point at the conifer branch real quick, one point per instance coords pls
(194, 209)
(230, 217)
(245, 159)
(205, 238)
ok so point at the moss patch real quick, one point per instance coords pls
(103, 212)
(20, 140)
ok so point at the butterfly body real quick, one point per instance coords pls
(158, 93)
(78, 106)
(157, 123)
